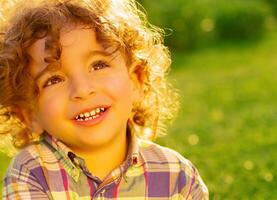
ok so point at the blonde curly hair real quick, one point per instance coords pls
(116, 22)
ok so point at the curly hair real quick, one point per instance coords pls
(116, 22)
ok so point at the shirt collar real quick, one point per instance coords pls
(133, 156)
(58, 146)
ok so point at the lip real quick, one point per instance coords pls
(93, 122)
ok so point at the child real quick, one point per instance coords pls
(87, 82)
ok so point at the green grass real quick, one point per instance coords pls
(4, 163)
(227, 124)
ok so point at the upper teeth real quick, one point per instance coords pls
(91, 113)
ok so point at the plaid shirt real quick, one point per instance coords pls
(49, 170)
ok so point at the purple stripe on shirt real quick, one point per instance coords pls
(38, 173)
(158, 184)
(182, 181)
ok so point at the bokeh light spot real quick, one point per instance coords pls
(248, 164)
(268, 176)
(193, 139)
(207, 24)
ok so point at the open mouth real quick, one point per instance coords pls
(92, 117)
(93, 114)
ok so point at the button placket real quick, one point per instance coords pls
(102, 193)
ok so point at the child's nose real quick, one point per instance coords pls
(81, 88)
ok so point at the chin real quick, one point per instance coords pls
(95, 141)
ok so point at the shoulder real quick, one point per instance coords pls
(190, 183)
(157, 156)
(28, 160)
(24, 178)
(153, 152)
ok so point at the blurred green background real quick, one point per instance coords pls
(224, 63)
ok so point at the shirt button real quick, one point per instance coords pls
(102, 193)
(75, 173)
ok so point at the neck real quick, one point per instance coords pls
(102, 161)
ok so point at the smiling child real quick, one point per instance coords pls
(87, 82)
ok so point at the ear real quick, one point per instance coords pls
(31, 121)
(136, 75)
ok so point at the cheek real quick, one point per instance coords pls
(120, 87)
(51, 105)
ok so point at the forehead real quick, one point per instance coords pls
(84, 38)
(76, 42)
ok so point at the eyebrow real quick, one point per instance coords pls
(42, 72)
(92, 53)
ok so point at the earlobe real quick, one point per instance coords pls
(36, 128)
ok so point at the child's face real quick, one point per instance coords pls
(86, 80)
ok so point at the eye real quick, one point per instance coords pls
(99, 65)
(52, 80)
